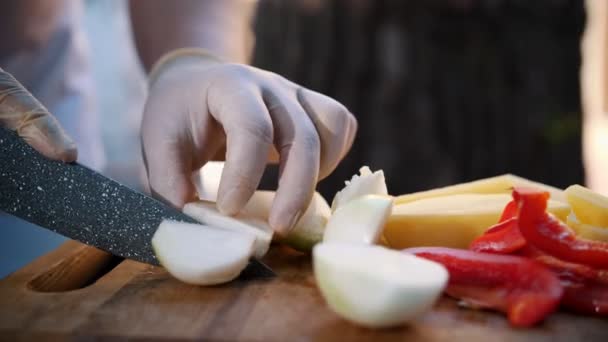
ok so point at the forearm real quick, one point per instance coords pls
(222, 27)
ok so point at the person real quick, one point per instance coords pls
(203, 99)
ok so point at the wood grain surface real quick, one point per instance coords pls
(59, 297)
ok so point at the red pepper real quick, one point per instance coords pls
(548, 234)
(526, 290)
(568, 272)
(587, 298)
(509, 211)
(585, 288)
(502, 238)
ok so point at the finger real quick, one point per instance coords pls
(298, 145)
(334, 124)
(249, 136)
(352, 133)
(169, 175)
(167, 155)
(273, 156)
(21, 112)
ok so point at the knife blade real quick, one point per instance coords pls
(81, 204)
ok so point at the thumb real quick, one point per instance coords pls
(21, 112)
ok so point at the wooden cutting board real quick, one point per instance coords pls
(79, 292)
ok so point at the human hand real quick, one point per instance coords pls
(197, 104)
(21, 112)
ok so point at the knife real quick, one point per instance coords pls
(81, 204)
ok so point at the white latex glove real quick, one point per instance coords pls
(21, 112)
(197, 104)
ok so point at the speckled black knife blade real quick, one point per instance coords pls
(84, 205)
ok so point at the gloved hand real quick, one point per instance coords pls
(21, 112)
(197, 103)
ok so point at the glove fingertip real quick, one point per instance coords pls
(64, 151)
(68, 153)
(283, 223)
(230, 202)
(175, 192)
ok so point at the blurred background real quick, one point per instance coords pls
(445, 91)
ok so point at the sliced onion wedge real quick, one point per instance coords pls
(206, 213)
(207, 180)
(374, 286)
(307, 231)
(361, 220)
(201, 255)
(365, 183)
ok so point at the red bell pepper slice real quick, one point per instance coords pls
(548, 234)
(509, 211)
(478, 297)
(568, 272)
(503, 237)
(585, 288)
(526, 290)
(586, 298)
